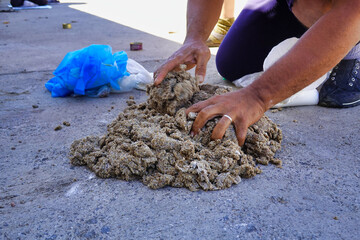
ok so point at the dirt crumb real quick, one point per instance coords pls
(57, 128)
(66, 123)
(150, 142)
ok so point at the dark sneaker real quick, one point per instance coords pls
(342, 88)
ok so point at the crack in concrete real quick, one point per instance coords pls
(25, 72)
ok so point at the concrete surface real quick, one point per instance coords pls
(314, 196)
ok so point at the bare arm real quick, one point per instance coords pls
(202, 16)
(320, 49)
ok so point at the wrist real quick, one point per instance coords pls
(264, 102)
(194, 38)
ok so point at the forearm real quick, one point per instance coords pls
(202, 16)
(319, 50)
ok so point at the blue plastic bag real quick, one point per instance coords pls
(90, 71)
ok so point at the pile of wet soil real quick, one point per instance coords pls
(150, 142)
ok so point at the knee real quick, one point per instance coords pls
(229, 65)
(221, 66)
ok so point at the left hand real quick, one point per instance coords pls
(192, 53)
(243, 106)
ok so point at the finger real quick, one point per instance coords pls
(164, 70)
(197, 107)
(241, 131)
(161, 74)
(220, 128)
(200, 70)
(203, 116)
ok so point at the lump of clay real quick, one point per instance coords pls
(150, 142)
(174, 93)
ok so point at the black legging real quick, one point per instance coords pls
(19, 3)
(261, 25)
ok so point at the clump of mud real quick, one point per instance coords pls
(150, 142)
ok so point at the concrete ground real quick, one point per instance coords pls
(314, 196)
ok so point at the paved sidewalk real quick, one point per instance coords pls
(314, 196)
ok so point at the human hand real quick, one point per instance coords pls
(244, 108)
(192, 53)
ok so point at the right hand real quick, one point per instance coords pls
(243, 106)
(192, 53)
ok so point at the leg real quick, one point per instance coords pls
(223, 25)
(258, 28)
(227, 10)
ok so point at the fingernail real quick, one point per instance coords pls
(192, 134)
(156, 82)
(200, 78)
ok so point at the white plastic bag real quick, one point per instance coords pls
(307, 96)
(247, 79)
(139, 77)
